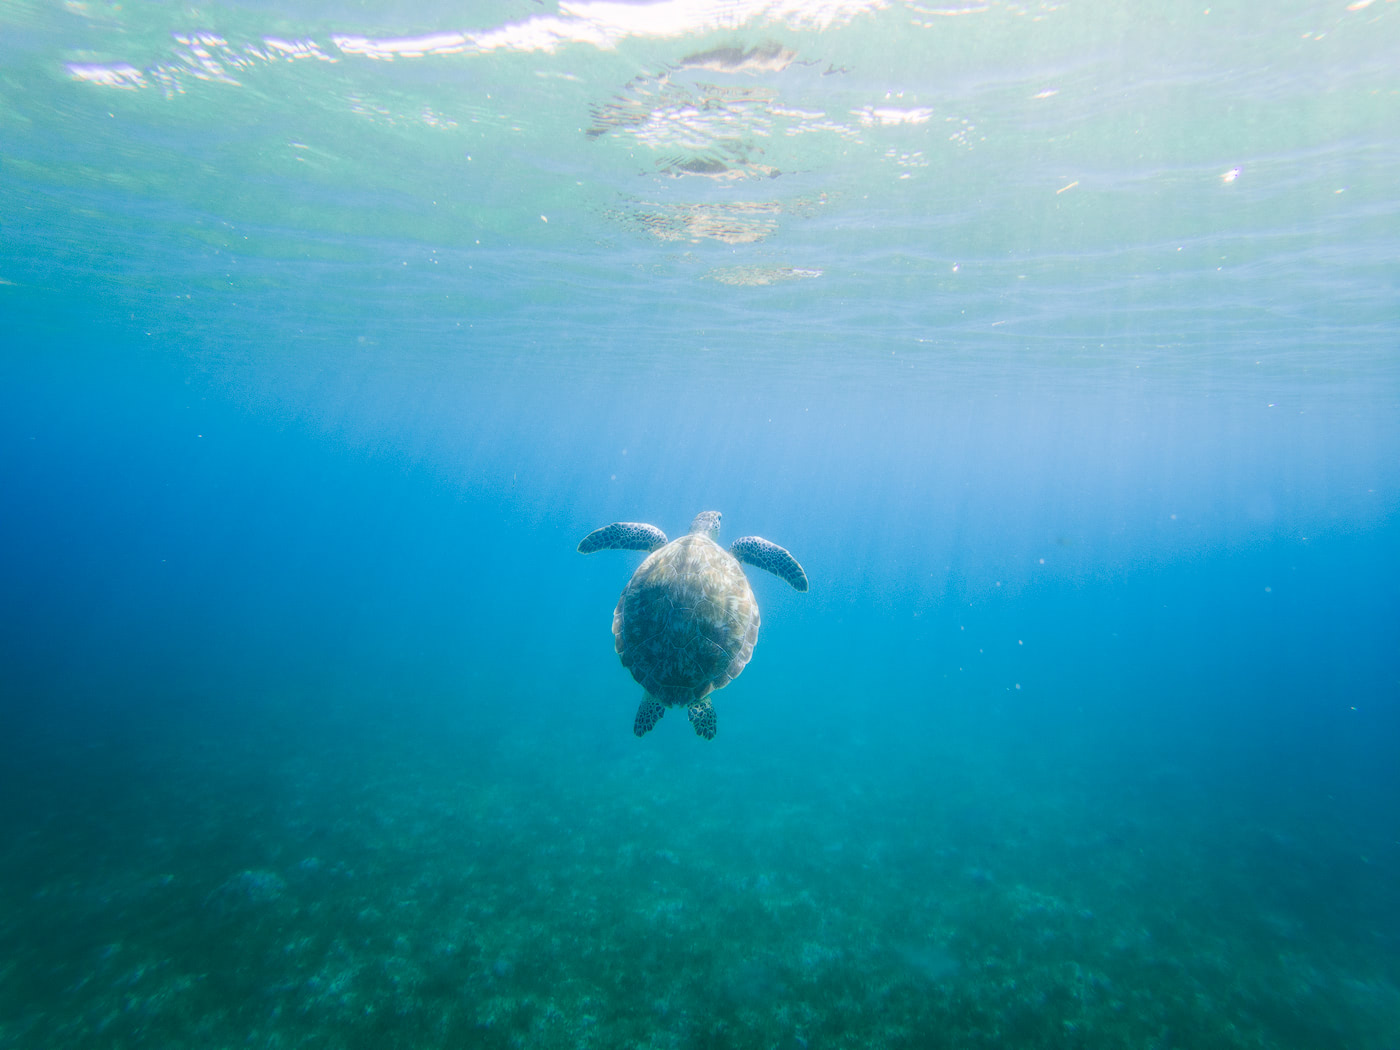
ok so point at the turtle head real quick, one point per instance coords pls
(706, 523)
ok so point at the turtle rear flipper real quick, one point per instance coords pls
(623, 536)
(702, 717)
(649, 712)
(767, 555)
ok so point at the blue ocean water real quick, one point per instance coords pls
(1059, 342)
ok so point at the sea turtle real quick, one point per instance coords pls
(687, 622)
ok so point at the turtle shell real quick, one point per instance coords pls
(687, 621)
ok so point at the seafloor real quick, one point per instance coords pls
(243, 876)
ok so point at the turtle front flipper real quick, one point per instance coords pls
(649, 712)
(766, 555)
(623, 536)
(702, 717)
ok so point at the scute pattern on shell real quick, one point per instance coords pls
(687, 622)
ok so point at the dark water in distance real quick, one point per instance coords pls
(1058, 343)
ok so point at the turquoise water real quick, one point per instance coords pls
(1060, 344)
